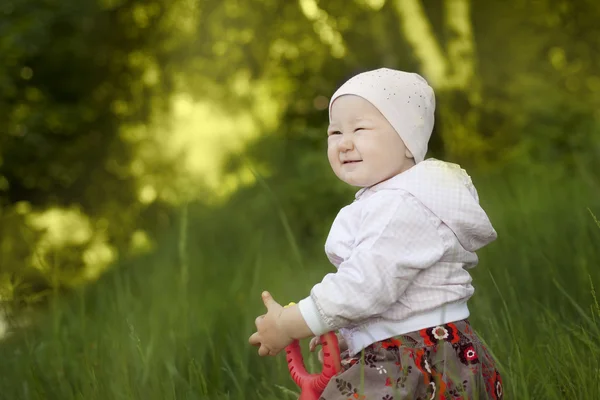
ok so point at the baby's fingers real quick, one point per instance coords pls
(314, 342)
(254, 340)
(263, 351)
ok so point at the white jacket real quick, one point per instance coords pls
(402, 250)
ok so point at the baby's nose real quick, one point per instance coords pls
(346, 144)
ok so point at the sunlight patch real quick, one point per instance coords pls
(64, 227)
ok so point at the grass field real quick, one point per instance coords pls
(174, 325)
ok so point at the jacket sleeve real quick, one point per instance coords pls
(397, 239)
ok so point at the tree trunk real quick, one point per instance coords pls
(451, 72)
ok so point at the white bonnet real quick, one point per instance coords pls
(404, 98)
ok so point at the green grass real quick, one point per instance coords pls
(174, 325)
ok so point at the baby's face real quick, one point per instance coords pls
(363, 148)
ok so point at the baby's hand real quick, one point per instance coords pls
(270, 336)
(316, 341)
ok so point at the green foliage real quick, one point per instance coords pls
(145, 331)
(69, 83)
(73, 76)
(85, 84)
(18, 284)
(78, 77)
(539, 109)
(541, 87)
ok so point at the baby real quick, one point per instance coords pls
(402, 251)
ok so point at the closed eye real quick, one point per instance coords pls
(335, 133)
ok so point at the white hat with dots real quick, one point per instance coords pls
(404, 98)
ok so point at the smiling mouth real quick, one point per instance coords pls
(351, 161)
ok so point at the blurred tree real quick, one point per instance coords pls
(451, 72)
(542, 104)
(504, 95)
(75, 75)
(80, 80)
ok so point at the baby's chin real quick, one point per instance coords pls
(356, 181)
(356, 177)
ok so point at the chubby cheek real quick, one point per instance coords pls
(333, 157)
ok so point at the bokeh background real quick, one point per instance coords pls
(163, 161)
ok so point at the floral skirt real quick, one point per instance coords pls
(444, 362)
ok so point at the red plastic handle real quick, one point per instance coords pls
(312, 385)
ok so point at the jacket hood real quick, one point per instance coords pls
(447, 190)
